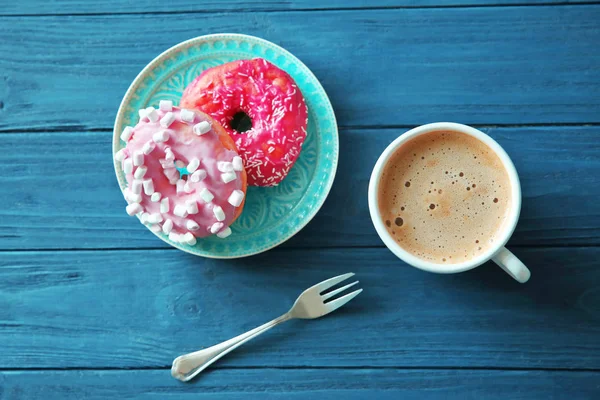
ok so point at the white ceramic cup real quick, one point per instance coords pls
(498, 253)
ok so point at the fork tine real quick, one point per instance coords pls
(321, 287)
(337, 303)
(336, 291)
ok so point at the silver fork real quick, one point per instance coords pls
(309, 305)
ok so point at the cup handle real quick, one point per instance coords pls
(512, 265)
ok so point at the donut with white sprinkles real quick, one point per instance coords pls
(173, 161)
(261, 108)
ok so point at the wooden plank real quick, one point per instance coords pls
(130, 309)
(505, 65)
(69, 7)
(302, 384)
(60, 192)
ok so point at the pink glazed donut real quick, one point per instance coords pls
(270, 98)
(184, 175)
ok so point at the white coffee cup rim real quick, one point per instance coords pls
(420, 263)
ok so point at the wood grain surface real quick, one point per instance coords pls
(507, 65)
(78, 204)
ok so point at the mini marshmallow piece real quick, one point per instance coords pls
(149, 187)
(238, 164)
(138, 159)
(192, 225)
(191, 206)
(164, 205)
(198, 176)
(140, 172)
(174, 237)
(219, 213)
(155, 198)
(152, 114)
(201, 128)
(188, 238)
(160, 136)
(128, 166)
(169, 156)
(133, 209)
(127, 133)
(180, 211)
(136, 186)
(186, 115)
(206, 195)
(165, 105)
(155, 218)
(167, 226)
(142, 113)
(180, 186)
(132, 197)
(155, 228)
(225, 166)
(167, 120)
(179, 164)
(171, 173)
(187, 188)
(193, 165)
(144, 218)
(216, 227)
(236, 198)
(224, 233)
(149, 146)
(228, 177)
(121, 155)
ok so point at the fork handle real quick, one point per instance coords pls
(189, 365)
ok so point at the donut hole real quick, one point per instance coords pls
(241, 122)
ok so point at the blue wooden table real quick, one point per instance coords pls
(92, 305)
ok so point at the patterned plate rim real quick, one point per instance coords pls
(197, 41)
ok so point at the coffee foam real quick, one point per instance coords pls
(444, 196)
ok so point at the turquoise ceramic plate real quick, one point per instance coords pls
(271, 215)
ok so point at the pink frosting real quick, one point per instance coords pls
(185, 145)
(270, 97)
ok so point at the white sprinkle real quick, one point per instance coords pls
(180, 211)
(127, 133)
(206, 195)
(216, 227)
(165, 105)
(237, 163)
(187, 188)
(228, 177)
(121, 155)
(219, 213)
(198, 176)
(193, 165)
(155, 218)
(174, 237)
(192, 225)
(201, 128)
(140, 172)
(224, 233)
(133, 209)
(152, 114)
(160, 136)
(164, 205)
(138, 159)
(188, 238)
(271, 149)
(155, 198)
(225, 166)
(186, 115)
(136, 186)
(148, 187)
(180, 186)
(149, 146)
(167, 226)
(236, 198)
(167, 120)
